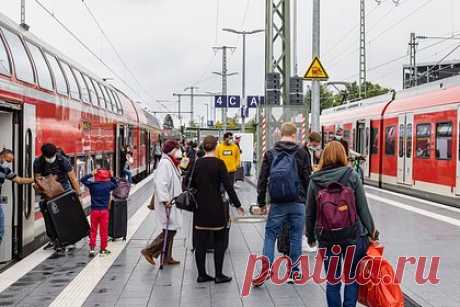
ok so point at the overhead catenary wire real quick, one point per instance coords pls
(86, 47)
(109, 41)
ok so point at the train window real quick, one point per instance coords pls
(117, 101)
(83, 87)
(45, 79)
(98, 94)
(73, 85)
(92, 94)
(390, 140)
(374, 141)
(61, 84)
(5, 66)
(104, 98)
(423, 140)
(409, 140)
(401, 140)
(444, 141)
(22, 64)
(109, 97)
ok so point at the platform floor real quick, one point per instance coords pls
(408, 226)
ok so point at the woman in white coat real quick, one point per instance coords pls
(168, 185)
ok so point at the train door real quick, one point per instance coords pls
(457, 190)
(7, 199)
(119, 144)
(405, 132)
(367, 151)
(28, 195)
(362, 143)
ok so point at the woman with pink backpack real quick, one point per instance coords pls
(338, 216)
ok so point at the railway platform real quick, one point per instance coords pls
(409, 227)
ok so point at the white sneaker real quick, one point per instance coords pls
(306, 248)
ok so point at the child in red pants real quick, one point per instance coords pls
(99, 189)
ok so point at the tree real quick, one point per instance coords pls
(330, 99)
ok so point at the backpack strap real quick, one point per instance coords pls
(345, 176)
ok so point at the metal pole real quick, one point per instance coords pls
(316, 99)
(179, 110)
(294, 45)
(243, 87)
(192, 89)
(362, 51)
(224, 86)
(23, 11)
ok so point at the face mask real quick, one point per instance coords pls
(314, 149)
(178, 154)
(6, 164)
(338, 137)
(50, 160)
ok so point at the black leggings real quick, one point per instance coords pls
(220, 245)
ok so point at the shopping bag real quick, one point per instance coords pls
(377, 293)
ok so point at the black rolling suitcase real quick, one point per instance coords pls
(68, 218)
(118, 221)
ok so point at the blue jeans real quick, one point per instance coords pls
(280, 214)
(351, 291)
(247, 168)
(128, 175)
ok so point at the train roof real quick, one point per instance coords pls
(131, 111)
(440, 92)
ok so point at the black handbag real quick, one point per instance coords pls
(187, 199)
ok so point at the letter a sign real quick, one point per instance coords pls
(316, 71)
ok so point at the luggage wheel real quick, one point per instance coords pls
(124, 238)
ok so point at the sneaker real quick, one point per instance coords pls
(71, 247)
(104, 252)
(306, 248)
(92, 253)
(48, 246)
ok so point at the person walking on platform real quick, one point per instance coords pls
(6, 172)
(212, 217)
(99, 188)
(338, 183)
(230, 154)
(167, 186)
(286, 172)
(314, 148)
(52, 163)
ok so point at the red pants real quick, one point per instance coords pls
(99, 218)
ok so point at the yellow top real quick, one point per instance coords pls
(230, 154)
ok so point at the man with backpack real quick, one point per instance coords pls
(53, 163)
(285, 173)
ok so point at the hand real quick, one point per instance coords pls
(374, 238)
(240, 211)
(263, 210)
(167, 204)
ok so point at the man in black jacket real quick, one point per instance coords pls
(291, 212)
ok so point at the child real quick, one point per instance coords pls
(99, 189)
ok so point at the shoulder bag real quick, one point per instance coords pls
(187, 199)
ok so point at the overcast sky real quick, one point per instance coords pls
(167, 43)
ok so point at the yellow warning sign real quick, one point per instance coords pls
(316, 71)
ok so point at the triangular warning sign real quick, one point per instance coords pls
(316, 71)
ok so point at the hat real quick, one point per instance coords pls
(102, 175)
(169, 146)
(238, 137)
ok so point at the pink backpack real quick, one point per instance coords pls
(336, 215)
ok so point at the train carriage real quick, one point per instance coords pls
(410, 138)
(45, 97)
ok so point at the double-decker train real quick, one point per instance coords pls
(45, 97)
(410, 138)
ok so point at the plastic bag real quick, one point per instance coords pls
(376, 292)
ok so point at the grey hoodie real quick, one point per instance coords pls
(320, 180)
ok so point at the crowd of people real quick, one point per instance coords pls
(293, 181)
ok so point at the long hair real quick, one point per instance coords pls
(333, 154)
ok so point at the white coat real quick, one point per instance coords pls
(168, 185)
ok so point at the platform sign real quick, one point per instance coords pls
(253, 101)
(316, 71)
(234, 101)
(231, 101)
(220, 101)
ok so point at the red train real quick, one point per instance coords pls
(410, 138)
(47, 97)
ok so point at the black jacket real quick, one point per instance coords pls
(303, 167)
